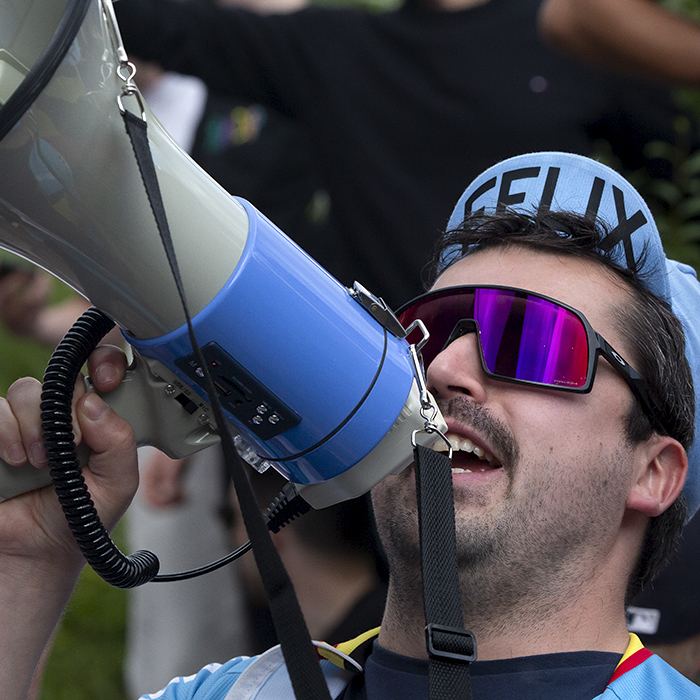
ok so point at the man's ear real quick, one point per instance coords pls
(662, 468)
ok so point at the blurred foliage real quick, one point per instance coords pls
(689, 8)
(675, 202)
(20, 358)
(678, 200)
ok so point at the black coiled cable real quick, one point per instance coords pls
(96, 545)
(287, 506)
(56, 398)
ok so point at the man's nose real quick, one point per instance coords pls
(457, 368)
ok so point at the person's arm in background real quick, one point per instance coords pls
(39, 559)
(235, 52)
(637, 36)
(26, 309)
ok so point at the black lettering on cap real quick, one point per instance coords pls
(548, 192)
(624, 229)
(594, 198)
(505, 197)
(488, 185)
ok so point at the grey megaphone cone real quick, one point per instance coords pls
(71, 196)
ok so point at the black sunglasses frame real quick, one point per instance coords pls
(597, 346)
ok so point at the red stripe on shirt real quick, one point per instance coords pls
(629, 663)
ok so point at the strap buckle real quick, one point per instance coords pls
(451, 643)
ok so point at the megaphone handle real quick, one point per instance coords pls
(162, 413)
(17, 480)
(56, 415)
(153, 408)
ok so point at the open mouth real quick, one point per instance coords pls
(466, 456)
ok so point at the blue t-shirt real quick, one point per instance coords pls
(567, 676)
(570, 676)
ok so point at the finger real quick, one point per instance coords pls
(78, 390)
(113, 472)
(106, 367)
(11, 447)
(24, 398)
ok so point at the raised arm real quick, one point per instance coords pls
(637, 36)
(39, 560)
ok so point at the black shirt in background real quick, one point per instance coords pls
(402, 109)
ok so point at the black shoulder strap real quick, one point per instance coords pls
(302, 661)
(450, 646)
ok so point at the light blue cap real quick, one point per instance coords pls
(568, 182)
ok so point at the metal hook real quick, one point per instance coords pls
(126, 69)
(433, 429)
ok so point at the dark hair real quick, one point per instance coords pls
(653, 332)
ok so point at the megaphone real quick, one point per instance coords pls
(316, 378)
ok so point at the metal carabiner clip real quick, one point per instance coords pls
(430, 429)
(428, 410)
(130, 89)
(126, 70)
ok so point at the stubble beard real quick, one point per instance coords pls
(528, 556)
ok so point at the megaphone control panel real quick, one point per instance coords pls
(240, 393)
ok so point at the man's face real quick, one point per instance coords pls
(546, 498)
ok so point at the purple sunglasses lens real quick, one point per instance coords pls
(523, 337)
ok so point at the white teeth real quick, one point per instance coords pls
(457, 470)
(465, 445)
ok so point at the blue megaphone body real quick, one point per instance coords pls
(315, 377)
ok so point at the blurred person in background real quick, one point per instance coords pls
(256, 153)
(666, 617)
(638, 36)
(346, 593)
(402, 108)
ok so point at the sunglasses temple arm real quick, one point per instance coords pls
(635, 382)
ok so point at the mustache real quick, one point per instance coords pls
(485, 423)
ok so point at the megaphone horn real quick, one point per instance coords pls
(309, 376)
(71, 198)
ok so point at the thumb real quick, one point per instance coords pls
(112, 471)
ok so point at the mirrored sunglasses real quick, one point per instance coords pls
(523, 337)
